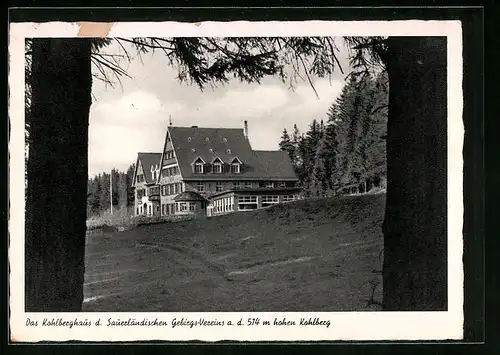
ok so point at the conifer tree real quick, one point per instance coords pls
(286, 145)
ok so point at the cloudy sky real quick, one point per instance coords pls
(133, 117)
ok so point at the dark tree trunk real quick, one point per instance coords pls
(57, 175)
(415, 247)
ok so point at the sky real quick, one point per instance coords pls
(132, 116)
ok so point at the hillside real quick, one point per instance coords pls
(310, 255)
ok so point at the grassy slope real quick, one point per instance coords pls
(314, 255)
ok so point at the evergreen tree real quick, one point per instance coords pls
(320, 172)
(122, 191)
(286, 145)
(296, 141)
(130, 188)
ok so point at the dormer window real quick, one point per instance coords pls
(211, 150)
(228, 151)
(193, 150)
(207, 139)
(217, 166)
(189, 139)
(198, 166)
(224, 139)
(236, 166)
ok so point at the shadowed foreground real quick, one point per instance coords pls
(315, 255)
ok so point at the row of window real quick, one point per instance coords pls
(186, 206)
(200, 186)
(174, 170)
(169, 154)
(149, 211)
(217, 167)
(171, 189)
(155, 190)
(172, 208)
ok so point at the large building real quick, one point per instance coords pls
(211, 171)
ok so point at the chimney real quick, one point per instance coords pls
(245, 129)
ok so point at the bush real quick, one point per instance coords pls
(122, 217)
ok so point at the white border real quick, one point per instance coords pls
(344, 325)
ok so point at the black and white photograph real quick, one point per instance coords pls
(237, 180)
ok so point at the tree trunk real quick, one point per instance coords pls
(57, 175)
(415, 247)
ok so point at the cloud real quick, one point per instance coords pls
(139, 108)
(133, 117)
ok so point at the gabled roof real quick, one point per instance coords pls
(188, 196)
(148, 160)
(256, 164)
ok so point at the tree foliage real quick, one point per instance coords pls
(348, 152)
(98, 195)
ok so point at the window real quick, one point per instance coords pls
(169, 154)
(217, 169)
(149, 209)
(247, 203)
(200, 186)
(270, 199)
(236, 185)
(218, 186)
(137, 210)
(183, 206)
(235, 168)
(198, 168)
(140, 193)
(269, 185)
(248, 184)
(140, 178)
(247, 199)
(179, 188)
(289, 198)
(192, 206)
(155, 190)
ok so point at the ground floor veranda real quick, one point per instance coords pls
(221, 203)
(249, 199)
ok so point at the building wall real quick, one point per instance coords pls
(210, 187)
(138, 187)
(167, 202)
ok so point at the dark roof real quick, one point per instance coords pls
(190, 143)
(189, 196)
(275, 164)
(147, 160)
